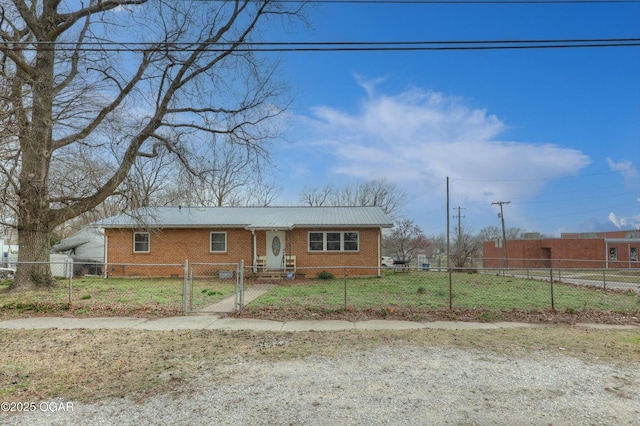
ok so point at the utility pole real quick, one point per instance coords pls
(459, 224)
(449, 253)
(504, 232)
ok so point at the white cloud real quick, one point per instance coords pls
(628, 171)
(368, 84)
(619, 222)
(420, 138)
(625, 222)
(632, 221)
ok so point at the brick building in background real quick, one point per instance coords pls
(618, 249)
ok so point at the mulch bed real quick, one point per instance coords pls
(421, 315)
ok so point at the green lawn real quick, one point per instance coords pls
(430, 290)
(93, 296)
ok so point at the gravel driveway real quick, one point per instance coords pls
(388, 385)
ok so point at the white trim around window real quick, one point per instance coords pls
(141, 242)
(217, 242)
(333, 241)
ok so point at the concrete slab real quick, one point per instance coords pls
(71, 323)
(228, 305)
(388, 325)
(460, 325)
(213, 322)
(108, 323)
(328, 325)
(245, 324)
(516, 325)
(609, 326)
(178, 323)
(37, 323)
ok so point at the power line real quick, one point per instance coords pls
(455, 2)
(325, 46)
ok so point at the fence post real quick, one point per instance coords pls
(553, 303)
(185, 288)
(451, 288)
(604, 279)
(70, 282)
(240, 287)
(559, 273)
(345, 288)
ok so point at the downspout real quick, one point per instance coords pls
(255, 251)
(379, 252)
(106, 254)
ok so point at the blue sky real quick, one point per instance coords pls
(554, 131)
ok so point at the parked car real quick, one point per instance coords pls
(7, 273)
(387, 261)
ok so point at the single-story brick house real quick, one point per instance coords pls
(617, 249)
(265, 238)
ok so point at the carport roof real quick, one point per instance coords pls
(249, 217)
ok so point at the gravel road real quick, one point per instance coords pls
(388, 385)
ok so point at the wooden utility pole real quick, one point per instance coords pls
(459, 224)
(504, 232)
(449, 253)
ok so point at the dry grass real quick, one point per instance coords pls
(87, 365)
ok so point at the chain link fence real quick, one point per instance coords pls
(117, 289)
(421, 289)
(214, 287)
(173, 289)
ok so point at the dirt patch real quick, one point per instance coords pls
(422, 315)
(545, 375)
(93, 364)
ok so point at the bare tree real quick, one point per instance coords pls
(317, 197)
(438, 245)
(406, 240)
(492, 233)
(228, 175)
(158, 74)
(370, 193)
(464, 247)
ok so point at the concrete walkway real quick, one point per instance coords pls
(229, 304)
(214, 322)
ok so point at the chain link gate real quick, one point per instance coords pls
(214, 287)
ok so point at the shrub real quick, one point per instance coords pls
(324, 275)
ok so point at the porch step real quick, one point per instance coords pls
(272, 275)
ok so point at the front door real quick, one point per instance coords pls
(275, 249)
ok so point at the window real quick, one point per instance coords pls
(316, 241)
(613, 254)
(141, 242)
(633, 254)
(218, 241)
(334, 241)
(350, 241)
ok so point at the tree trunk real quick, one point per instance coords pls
(34, 270)
(34, 221)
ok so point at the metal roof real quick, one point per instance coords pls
(249, 217)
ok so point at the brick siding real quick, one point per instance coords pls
(174, 246)
(560, 253)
